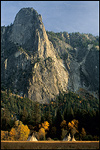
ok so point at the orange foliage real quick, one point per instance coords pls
(73, 126)
(4, 135)
(23, 132)
(41, 134)
(42, 131)
(70, 125)
(63, 124)
(20, 132)
(45, 125)
(12, 134)
(39, 125)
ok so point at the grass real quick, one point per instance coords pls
(49, 145)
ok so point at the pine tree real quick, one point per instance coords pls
(37, 115)
(19, 132)
(58, 121)
(65, 114)
(49, 117)
(5, 120)
(24, 116)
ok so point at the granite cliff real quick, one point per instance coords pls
(39, 64)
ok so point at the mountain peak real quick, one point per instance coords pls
(26, 22)
(26, 15)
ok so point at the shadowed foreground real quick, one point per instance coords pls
(49, 145)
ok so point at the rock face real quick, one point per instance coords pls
(35, 66)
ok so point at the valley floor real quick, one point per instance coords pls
(49, 145)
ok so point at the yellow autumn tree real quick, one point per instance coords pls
(63, 124)
(12, 134)
(41, 134)
(63, 129)
(73, 126)
(23, 132)
(45, 125)
(4, 135)
(42, 131)
(20, 132)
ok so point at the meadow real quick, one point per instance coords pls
(49, 145)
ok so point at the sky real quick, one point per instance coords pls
(58, 16)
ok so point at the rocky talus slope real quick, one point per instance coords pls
(39, 65)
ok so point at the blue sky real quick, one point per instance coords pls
(57, 16)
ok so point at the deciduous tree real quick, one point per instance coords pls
(12, 134)
(73, 126)
(23, 132)
(4, 135)
(41, 134)
(20, 132)
(83, 133)
(45, 125)
(63, 124)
